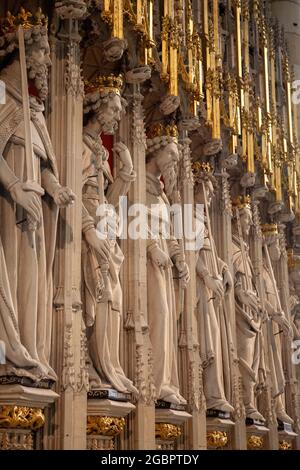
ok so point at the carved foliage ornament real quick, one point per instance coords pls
(22, 417)
(167, 431)
(105, 425)
(217, 439)
(255, 442)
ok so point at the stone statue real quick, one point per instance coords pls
(14, 356)
(28, 254)
(162, 251)
(102, 292)
(276, 320)
(294, 304)
(248, 310)
(215, 336)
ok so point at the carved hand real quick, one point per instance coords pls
(29, 200)
(227, 281)
(184, 273)
(138, 74)
(124, 155)
(64, 196)
(281, 320)
(249, 299)
(99, 245)
(160, 258)
(215, 284)
(169, 104)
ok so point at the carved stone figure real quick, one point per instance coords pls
(215, 336)
(102, 292)
(161, 160)
(294, 303)
(28, 254)
(248, 311)
(14, 355)
(276, 321)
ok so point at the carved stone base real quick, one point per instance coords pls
(105, 421)
(169, 427)
(286, 436)
(16, 439)
(19, 395)
(22, 414)
(257, 437)
(219, 433)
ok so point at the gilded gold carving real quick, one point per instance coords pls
(217, 439)
(255, 442)
(22, 417)
(105, 425)
(285, 445)
(167, 431)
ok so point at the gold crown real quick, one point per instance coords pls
(160, 130)
(241, 202)
(201, 167)
(24, 18)
(111, 83)
(269, 229)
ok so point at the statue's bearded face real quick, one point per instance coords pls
(38, 61)
(167, 160)
(274, 249)
(110, 114)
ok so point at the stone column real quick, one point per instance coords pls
(65, 124)
(190, 370)
(137, 351)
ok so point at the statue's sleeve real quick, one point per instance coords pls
(7, 177)
(11, 116)
(120, 186)
(87, 220)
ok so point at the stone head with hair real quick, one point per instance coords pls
(35, 27)
(103, 104)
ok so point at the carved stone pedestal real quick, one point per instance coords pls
(257, 437)
(105, 421)
(219, 432)
(22, 415)
(286, 436)
(169, 427)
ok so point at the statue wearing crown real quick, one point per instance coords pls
(248, 310)
(28, 203)
(101, 255)
(214, 282)
(163, 252)
(276, 319)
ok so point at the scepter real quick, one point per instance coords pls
(31, 184)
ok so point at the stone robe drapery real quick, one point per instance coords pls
(214, 331)
(28, 255)
(161, 296)
(249, 335)
(103, 315)
(274, 343)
